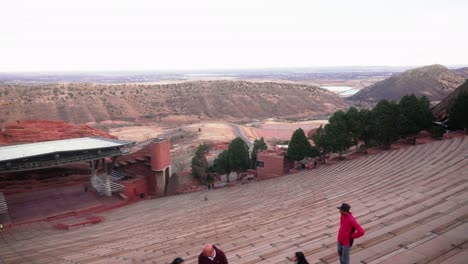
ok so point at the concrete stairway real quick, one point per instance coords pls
(412, 202)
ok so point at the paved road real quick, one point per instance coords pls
(239, 132)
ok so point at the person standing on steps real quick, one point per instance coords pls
(349, 230)
(299, 258)
(178, 261)
(212, 255)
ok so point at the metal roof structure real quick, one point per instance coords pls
(22, 151)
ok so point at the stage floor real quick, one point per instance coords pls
(43, 204)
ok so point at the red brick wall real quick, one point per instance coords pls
(160, 155)
(133, 188)
(274, 165)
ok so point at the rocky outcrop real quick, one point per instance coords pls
(441, 110)
(28, 131)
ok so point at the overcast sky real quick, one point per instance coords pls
(91, 35)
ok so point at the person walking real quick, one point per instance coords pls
(349, 230)
(299, 258)
(212, 255)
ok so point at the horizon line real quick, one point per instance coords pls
(450, 66)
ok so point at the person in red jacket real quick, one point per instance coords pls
(212, 255)
(349, 230)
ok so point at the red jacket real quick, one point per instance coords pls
(349, 230)
(219, 259)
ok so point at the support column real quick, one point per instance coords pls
(93, 173)
(113, 163)
(107, 184)
(104, 165)
(160, 182)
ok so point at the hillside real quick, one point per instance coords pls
(441, 109)
(462, 71)
(435, 82)
(189, 101)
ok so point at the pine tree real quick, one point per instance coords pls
(258, 146)
(366, 132)
(386, 123)
(299, 146)
(338, 132)
(238, 154)
(415, 115)
(458, 113)
(199, 163)
(221, 163)
(353, 125)
(321, 143)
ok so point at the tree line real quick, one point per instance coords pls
(236, 158)
(382, 126)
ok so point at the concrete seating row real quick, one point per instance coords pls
(413, 203)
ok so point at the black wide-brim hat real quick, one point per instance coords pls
(344, 207)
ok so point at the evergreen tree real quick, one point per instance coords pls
(199, 163)
(221, 163)
(366, 133)
(338, 132)
(204, 148)
(314, 152)
(321, 142)
(458, 113)
(415, 115)
(427, 117)
(353, 125)
(238, 155)
(258, 146)
(299, 146)
(386, 123)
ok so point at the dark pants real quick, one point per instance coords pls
(343, 252)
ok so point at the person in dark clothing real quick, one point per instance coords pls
(349, 230)
(178, 261)
(299, 258)
(212, 255)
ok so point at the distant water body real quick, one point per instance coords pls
(343, 91)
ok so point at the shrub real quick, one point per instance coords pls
(437, 131)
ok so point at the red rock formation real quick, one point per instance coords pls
(27, 131)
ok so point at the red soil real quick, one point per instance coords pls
(28, 131)
(283, 131)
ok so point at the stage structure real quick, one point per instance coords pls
(49, 154)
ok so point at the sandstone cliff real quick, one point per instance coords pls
(42, 130)
(441, 110)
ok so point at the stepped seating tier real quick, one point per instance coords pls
(412, 202)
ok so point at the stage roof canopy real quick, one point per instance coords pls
(22, 151)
